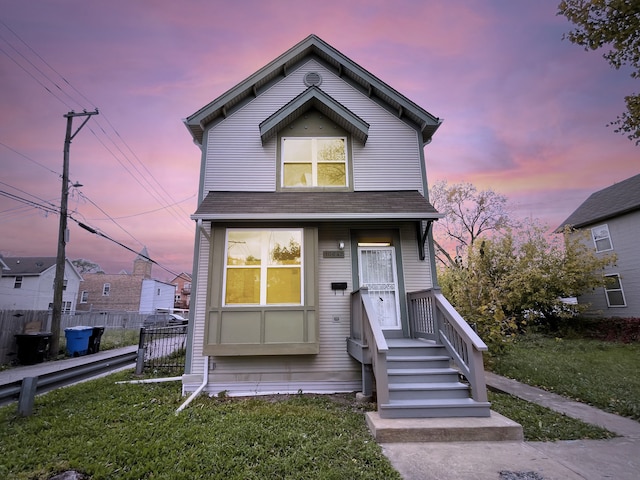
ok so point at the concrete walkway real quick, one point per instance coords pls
(618, 458)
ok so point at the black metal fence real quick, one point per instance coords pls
(162, 349)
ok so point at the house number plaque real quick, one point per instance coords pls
(333, 254)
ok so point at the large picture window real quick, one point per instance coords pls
(263, 267)
(314, 162)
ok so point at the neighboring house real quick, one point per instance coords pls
(612, 218)
(313, 266)
(135, 292)
(183, 291)
(26, 283)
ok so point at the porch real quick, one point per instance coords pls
(436, 371)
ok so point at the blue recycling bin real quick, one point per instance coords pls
(77, 340)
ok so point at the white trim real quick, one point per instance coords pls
(621, 290)
(601, 229)
(314, 161)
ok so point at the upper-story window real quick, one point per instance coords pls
(84, 296)
(18, 282)
(601, 238)
(106, 289)
(314, 162)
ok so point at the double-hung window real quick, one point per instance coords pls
(18, 282)
(601, 238)
(84, 296)
(314, 162)
(263, 267)
(613, 291)
(106, 289)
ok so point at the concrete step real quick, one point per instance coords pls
(434, 408)
(493, 428)
(417, 391)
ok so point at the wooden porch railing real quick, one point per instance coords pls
(369, 334)
(431, 316)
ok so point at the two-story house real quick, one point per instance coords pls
(26, 283)
(612, 217)
(313, 266)
(126, 292)
(182, 283)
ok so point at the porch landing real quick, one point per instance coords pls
(495, 428)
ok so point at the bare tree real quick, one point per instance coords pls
(469, 213)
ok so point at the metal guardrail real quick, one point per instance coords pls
(10, 392)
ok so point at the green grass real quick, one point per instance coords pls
(601, 374)
(540, 424)
(131, 432)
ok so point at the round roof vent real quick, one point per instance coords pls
(312, 79)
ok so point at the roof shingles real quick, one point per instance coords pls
(618, 199)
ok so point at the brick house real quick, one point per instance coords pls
(129, 292)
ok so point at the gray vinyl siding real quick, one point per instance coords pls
(332, 366)
(417, 273)
(236, 160)
(624, 232)
(200, 302)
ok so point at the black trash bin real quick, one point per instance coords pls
(33, 347)
(94, 339)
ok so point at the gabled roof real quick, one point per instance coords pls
(313, 97)
(314, 205)
(618, 199)
(25, 266)
(313, 47)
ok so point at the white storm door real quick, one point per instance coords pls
(377, 271)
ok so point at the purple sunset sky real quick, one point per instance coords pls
(525, 112)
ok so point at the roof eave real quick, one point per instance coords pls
(197, 122)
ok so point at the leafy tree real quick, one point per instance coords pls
(520, 278)
(614, 24)
(469, 214)
(86, 266)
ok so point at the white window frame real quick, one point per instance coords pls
(314, 161)
(264, 265)
(66, 307)
(598, 234)
(84, 296)
(106, 289)
(612, 290)
(18, 281)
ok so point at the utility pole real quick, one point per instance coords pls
(58, 282)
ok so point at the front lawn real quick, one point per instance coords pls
(128, 431)
(602, 374)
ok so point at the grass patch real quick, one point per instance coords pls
(114, 431)
(541, 424)
(602, 374)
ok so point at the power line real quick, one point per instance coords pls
(30, 159)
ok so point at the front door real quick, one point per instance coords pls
(377, 271)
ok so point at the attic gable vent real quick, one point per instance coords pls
(312, 79)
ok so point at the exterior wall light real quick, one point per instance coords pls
(341, 244)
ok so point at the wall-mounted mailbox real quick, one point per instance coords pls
(338, 285)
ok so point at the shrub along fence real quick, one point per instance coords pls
(15, 322)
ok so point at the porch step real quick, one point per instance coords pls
(434, 408)
(422, 375)
(417, 391)
(417, 361)
(422, 383)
